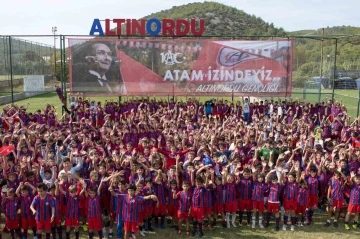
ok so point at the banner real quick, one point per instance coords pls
(180, 67)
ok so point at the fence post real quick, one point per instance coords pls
(333, 89)
(357, 114)
(11, 72)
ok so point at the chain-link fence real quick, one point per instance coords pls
(322, 69)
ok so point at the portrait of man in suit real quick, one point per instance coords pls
(96, 69)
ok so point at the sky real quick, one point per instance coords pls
(75, 17)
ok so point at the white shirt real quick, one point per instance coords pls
(99, 77)
(246, 108)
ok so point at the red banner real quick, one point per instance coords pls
(180, 67)
(6, 150)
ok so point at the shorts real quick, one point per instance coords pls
(313, 201)
(218, 208)
(207, 211)
(172, 210)
(290, 205)
(71, 222)
(336, 203)
(258, 205)
(353, 208)
(245, 204)
(197, 213)
(273, 207)
(63, 209)
(12, 224)
(149, 211)
(94, 223)
(27, 223)
(301, 209)
(56, 221)
(182, 215)
(104, 202)
(142, 216)
(43, 225)
(231, 207)
(160, 210)
(131, 227)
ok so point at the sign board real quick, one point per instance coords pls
(34, 83)
(180, 67)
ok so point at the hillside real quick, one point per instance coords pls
(221, 20)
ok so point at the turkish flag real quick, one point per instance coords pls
(6, 150)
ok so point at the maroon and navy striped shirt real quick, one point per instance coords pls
(10, 207)
(43, 207)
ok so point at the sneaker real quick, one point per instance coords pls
(267, 224)
(132, 235)
(228, 224)
(347, 227)
(85, 228)
(150, 229)
(201, 234)
(142, 233)
(301, 224)
(111, 235)
(168, 221)
(327, 224)
(193, 233)
(261, 225)
(336, 225)
(156, 225)
(240, 224)
(35, 237)
(292, 228)
(284, 227)
(233, 224)
(224, 224)
(162, 226)
(253, 226)
(355, 226)
(277, 229)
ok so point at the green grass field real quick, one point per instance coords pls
(7, 77)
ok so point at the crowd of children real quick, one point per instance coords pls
(135, 165)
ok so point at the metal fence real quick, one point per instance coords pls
(47, 55)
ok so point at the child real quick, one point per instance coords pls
(259, 188)
(43, 207)
(273, 205)
(160, 189)
(218, 205)
(197, 205)
(149, 207)
(184, 199)
(313, 185)
(173, 203)
(354, 202)
(72, 208)
(10, 207)
(130, 213)
(302, 200)
(230, 198)
(94, 211)
(335, 197)
(56, 223)
(244, 190)
(291, 191)
(27, 218)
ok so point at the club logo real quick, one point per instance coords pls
(170, 58)
(230, 57)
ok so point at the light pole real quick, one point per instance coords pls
(54, 30)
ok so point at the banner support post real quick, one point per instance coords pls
(11, 72)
